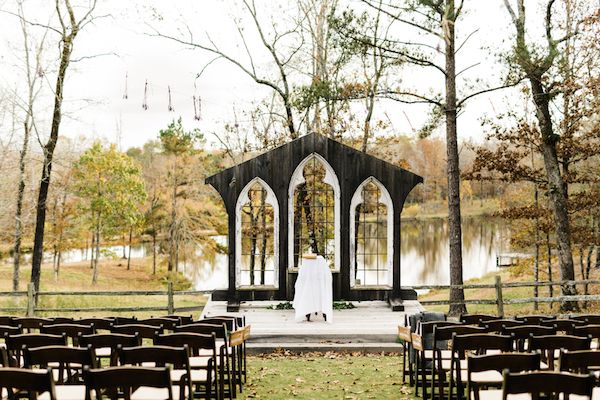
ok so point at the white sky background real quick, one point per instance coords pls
(222, 87)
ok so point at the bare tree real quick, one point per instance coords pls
(33, 74)
(69, 28)
(273, 42)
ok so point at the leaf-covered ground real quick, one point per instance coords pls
(326, 376)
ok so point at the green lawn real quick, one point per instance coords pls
(326, 376)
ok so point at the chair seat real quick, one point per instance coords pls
(446, 364)
(198, 375)
(446, 354)
(150, 393)
(202, 361)
(483, 377)
(66, 392)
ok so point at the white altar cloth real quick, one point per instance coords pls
(313, 289)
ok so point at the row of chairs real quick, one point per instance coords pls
(216, 346)
(433, 359)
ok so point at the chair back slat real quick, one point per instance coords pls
(106, 382)
(26, 380)
(144, 331)
(496, 325)
(547, 382)
(99, 323)
(220, 330)
(513, 362)
(475, 319)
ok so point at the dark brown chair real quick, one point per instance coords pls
(99, 323)
(30, 324)
(548, 383)
(165, 322)
(61, 320)
(476, 319)
(6, 319)
(485, 371)
(144, 331)
(197, 344)
(69, 360)
(579, 361)
(562, 325)
(477, 343)
(496, 325)
(105, 345)
(534, 319)
(16, 343)
(522, 333)
(72, 331)
(161, 356)
(140, 381)
(230, 322)
(590, 319)
(442, 364)
(27, 382)
(549, 345)
(125, 320)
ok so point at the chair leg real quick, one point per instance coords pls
(417, 366)
(403, 363)
(411, 378)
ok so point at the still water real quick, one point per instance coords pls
(424, 256)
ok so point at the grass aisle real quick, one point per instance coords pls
(326, 376)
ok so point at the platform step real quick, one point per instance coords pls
(261, 348)
(322, 337)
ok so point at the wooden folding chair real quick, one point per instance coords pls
(16, 343)
(549, 345)
(534, 319)
(485, 371)
(580, 361)
(442, 363)
(72, 331)
(164, 322)
(476, 319)
(105, 345)
(562, 325)
(590, 319)
(161, 356)
(68, 373)
(404, 335)
(522, 333)
(548, 383)
(103, 324)
(496, 325)
(136, 383)
(196, 343)
(31, 324)
(18, 382)
(144, 331)
(471, 344)
(588, 330)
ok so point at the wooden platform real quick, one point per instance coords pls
(371, 326)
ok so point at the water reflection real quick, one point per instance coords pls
(424, 256)
(425, 252)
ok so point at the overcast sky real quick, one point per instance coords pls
(222, 88)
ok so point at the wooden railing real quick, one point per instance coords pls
(499, 286)
(33, 299)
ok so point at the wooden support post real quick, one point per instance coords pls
(30, 300)
(170, 301)
(499, 300)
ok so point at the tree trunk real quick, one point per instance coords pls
(40, 222)
(173, 225)
(454, 218)
(557, 191)
(153, 251)
(92, 249)
(19, 209)
(95, 272)
(549, 254)
(129, 252)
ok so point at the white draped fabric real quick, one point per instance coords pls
(313, 290)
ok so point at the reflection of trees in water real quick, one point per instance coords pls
(425, 243)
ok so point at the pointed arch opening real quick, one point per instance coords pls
(257, 237)
(314, 212)
(371, 236)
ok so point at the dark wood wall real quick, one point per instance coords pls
(352, 168)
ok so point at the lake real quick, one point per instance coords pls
(424, 255)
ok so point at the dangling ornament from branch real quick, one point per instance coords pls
(197, 108)
(125, 95)
(145, 103)
(171, 108)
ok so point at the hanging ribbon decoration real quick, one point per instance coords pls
(197, 108)
(145, 103)
(171, 108)
(125, 95)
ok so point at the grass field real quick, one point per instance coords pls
(113, 276)
(326, 376)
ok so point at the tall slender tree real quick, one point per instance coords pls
(69, 27)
